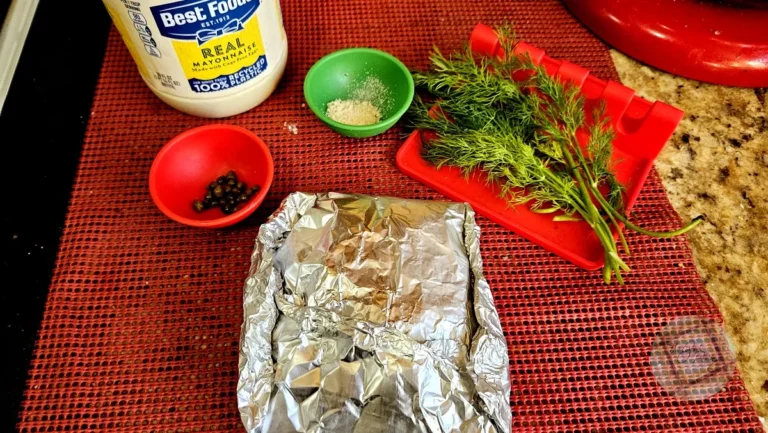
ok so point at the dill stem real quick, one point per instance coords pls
(558, 183)
(594, 219)
(614, 214)
(593, 186)
(669, 234)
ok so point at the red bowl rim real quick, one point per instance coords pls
(228, 220)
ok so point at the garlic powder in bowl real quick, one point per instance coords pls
(368, 100)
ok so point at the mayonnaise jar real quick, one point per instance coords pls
(208, 58)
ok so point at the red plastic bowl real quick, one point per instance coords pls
(193, 159)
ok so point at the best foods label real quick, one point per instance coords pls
(218, 42)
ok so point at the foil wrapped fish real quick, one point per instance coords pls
(370, 314)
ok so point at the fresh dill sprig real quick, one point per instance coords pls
(523, 134)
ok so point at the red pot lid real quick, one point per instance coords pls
(723, 42)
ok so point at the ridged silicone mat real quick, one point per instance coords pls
(143, 316)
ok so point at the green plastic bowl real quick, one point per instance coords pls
(335, 76)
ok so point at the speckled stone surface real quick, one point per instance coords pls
(716, 164)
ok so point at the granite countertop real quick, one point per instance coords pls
(716, 164)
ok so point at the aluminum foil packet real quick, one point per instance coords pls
(370, 314)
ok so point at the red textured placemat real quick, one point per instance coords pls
(143, 317)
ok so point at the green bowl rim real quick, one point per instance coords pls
(394, 116)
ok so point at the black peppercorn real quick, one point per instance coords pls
(227, 193)
(198, 206)
(253, 190)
